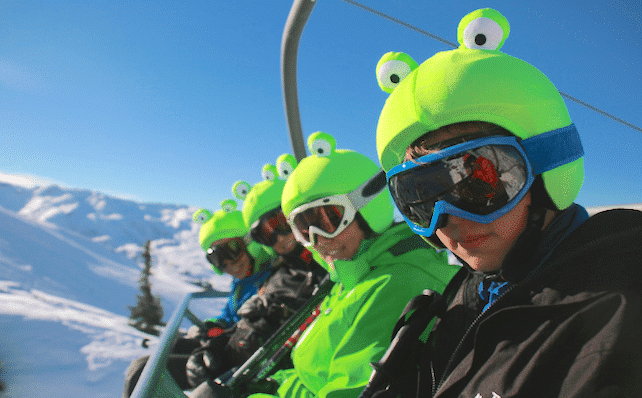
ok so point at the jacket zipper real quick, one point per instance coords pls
(444, 375)
(536, 272)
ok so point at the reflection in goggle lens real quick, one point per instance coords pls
(231, 250)
(269, 226)
(327, 218)
(480, 181)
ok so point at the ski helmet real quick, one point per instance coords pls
(475, 82)
(265, 195)
(329, 171)
(226, 223)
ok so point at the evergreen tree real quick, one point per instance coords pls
(148, 312)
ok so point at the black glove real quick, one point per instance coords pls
(254, 308)
(205, 363)
(211, 330)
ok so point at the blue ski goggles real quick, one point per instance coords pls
(479, 180)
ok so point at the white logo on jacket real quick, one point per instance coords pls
(495, 395)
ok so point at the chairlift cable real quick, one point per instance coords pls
(617, 119)
(402, 23)
(454, 45)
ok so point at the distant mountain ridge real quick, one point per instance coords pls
(50, 236)
(95, 215)
(70, 261)
(69, 267)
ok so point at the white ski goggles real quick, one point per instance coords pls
(329, 216)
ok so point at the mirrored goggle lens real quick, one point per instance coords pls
(269, 227)
(480, 181)
(230, 250)
(327, 218)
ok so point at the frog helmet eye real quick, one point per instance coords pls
(323, 174)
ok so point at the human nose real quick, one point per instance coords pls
(321, 241)
(453, 223)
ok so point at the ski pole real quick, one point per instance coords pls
(264, 359)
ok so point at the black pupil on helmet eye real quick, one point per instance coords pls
(480, 39)
(395, 79)
(320, 150)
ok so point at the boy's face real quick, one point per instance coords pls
(239, 268)
(284, 243)
(343, 246)
(482, 246)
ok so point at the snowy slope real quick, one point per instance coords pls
(69, 267)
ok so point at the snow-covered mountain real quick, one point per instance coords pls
(69, 267)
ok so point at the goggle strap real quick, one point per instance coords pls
(554, 148)
(368, 190)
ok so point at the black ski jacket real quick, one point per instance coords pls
(571, 328)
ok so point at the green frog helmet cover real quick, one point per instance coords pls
(227, 223)
(224, 223)
(265, 195)
(329, 171)
(475, 82)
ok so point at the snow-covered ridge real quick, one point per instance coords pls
(93, 214)
(597, 209)
(69, 267)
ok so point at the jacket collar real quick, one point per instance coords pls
(350, 272)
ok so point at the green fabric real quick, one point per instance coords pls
(330, 171)
(356, 320)
(262, 198)
(221, 225)
(477, 85)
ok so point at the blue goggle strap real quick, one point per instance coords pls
(553, 148)
(544, 152)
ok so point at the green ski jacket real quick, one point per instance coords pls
(332, 358)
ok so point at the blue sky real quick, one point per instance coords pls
(174, 101)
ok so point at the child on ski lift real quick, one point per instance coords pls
(336, 202)
(548, 302)
(223, 238)
(294, 275)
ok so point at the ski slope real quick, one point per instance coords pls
(69, 267)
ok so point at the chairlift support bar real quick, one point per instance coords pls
(294, 25)
(155, 380)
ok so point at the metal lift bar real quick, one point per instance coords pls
(294, 25)
(155, 380)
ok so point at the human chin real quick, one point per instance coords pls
(240, 268)
(337, 250)
(485, 264)
(285, 244)
(481, 253)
